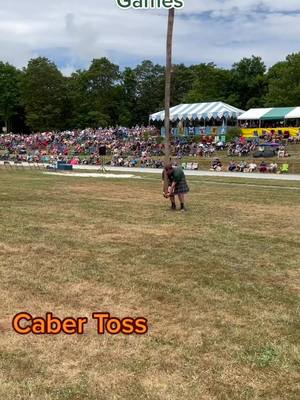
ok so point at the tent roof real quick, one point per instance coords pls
(277, 113)
(294, 114)
(254, 113)
(199, 111)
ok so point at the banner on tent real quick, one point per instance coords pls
(196, 131)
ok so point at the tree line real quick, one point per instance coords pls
(40, 98)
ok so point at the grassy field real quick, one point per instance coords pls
(219, 286)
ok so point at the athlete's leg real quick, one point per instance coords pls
(181, 199)
(173, 203)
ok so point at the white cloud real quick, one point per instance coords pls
(77, 31)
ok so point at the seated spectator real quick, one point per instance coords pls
(216, 165)
(133, 162)
(158, 164)
(252, 167)
(220, 145)
(244, 151)
(232, 166)
(273, 168)
(74, 161)
(263, 167)
(281, 152)
(241, 166)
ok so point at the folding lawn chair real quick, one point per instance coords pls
(7, 164)
(284, 169)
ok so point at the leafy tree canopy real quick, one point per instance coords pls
(40, 97)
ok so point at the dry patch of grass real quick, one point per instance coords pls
(219, 286)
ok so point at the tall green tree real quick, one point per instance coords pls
(102, 86)
(43, 95)
(182, 83)
(9, 93)
(78, 101)
(102, 95)
(248, 83)
(127, 116)
(209, 84)
(284, 83)
(150, 89)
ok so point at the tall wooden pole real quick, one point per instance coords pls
(171, 18)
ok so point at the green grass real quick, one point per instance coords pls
(219, 286)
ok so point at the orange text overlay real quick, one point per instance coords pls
(25, 324)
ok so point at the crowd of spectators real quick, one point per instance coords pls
(138, 146)
(252, 166)
(81, 147)
(125, 147)
(248, 166)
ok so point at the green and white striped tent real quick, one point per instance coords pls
(207, 111)
(271, 114)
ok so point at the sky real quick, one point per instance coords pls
(73, 32)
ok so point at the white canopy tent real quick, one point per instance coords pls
(253, 114)
(294, 114)
(207, 111)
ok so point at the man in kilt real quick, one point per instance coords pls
(174, 180)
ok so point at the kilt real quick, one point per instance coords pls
(181, 187)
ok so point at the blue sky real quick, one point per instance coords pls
(72, 32)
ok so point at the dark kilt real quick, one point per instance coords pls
(181, 187)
